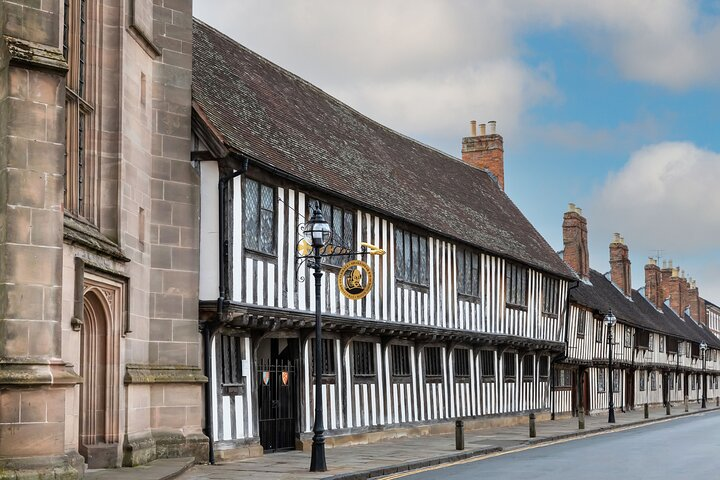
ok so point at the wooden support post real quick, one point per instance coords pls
(667, 407)
(459, 435)
(686, 403)
(533, 431)
(581, 419)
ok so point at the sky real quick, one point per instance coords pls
(611, 105)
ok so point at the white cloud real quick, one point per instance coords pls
(666, 197)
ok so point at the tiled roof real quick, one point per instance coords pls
(289, 125)
(601, 294)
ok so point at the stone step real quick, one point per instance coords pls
(162, 469)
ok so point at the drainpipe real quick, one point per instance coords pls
(210, 327)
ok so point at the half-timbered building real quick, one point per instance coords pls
(467, 312)
(656, 349)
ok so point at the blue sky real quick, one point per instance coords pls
(612, 105)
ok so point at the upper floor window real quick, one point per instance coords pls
(516, 280)
(598, 331)
(259, 217)
(363, 359)
(468, 273)
(581, 324)
(487, 365)
(628, 337)
(341, 225)
(80, 166)
(672, 345)
(509, 366)
(642, 338)
(661, 343)
(433, 364)
(411, 258)
(651, 341)
(551, 295)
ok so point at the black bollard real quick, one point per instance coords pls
(581, 419)
(647, 411)
(459, 435)
(686, 403)
(717, 401)
(533, 432)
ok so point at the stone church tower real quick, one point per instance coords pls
(99, 347)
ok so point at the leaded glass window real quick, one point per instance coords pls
(259, 203)
(468, 273)
(341, 226)
(411, 258)
(516, 280)
(628, 337)
(601, 381)
(551, 295)
(509, 367)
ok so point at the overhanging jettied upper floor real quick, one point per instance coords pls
(375, 185)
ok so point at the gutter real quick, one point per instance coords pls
(210, 328)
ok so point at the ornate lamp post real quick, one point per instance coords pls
(703, 349)
(317, 235)
(610, 322)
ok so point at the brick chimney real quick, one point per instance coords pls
(620, 264)
(575, 251)
(694, 301)
(653, 283)
(485, 150)
(672, 288)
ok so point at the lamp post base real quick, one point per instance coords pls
(317, 460)
(611, 415)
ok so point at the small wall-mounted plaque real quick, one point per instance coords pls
(233, 389)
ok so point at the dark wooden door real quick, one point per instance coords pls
(277, 389)
(629, 389)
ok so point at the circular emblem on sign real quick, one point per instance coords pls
(355, 279)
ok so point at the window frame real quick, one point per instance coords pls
(400, 363)
(329, 367)
(601, 381)
(581, 321)
(627, 337)
(516, 285)
(436, 376)
(474, 291)
(359, 348)
(486, 355)
(332, 208)
(562, 378)
(461, 366)
(544, 361)
(641, 381)
(528, 361)
(81, 171)
(599, 327)
(256, 249)
(509, 377)
(422, 268)
(550, 287)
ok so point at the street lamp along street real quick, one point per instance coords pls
(610, 322)
(317, 235)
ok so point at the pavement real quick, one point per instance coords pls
(403, 454)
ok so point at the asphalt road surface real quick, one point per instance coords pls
(685, 448)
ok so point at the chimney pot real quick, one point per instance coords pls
(670, 262)
(571, 207)
(482, 129)
(616, 238)
(473, 128)
(492, 124)
(675, 272)
(652, 261)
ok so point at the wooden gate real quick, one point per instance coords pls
(277, 388)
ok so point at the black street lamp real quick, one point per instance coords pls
(610, 322)
(703, 349)
(317, 235)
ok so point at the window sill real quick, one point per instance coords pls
(414, 286)
(433, 379)
(364, 379)
(401, 379)
(489, 379)
(509, 380)
(260, 255)
(512, 306)
(550, 315)
(463, 379)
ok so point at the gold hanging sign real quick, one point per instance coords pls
(355, 279)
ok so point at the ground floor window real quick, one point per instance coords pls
(433, 364)
(601, 381)
(487, 365)
(563, 378)
(641, 381)
(653, 381)
(509, 366)
(528, 368)
(671, 383)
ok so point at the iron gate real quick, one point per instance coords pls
(276, 398)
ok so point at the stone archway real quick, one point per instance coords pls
(100, 368)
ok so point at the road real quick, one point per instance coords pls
(678, 449)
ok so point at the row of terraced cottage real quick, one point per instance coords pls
(472, 315)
